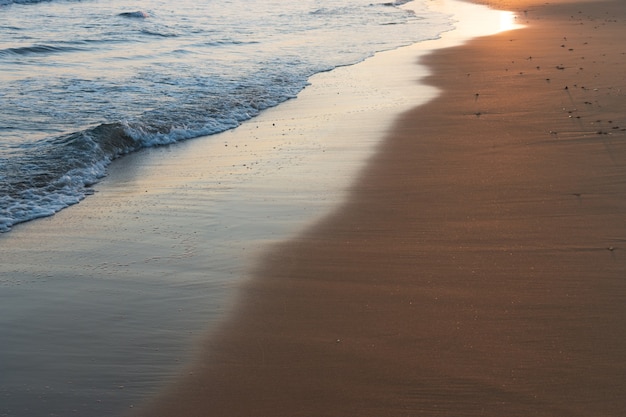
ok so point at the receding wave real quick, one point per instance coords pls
(41, 178)
(183, 73)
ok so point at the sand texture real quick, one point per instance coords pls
(479, 266)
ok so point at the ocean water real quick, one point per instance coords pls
(85, 82)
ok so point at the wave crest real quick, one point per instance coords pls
(38, 49)
(139, 14)
(43, 179)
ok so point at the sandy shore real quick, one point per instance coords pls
(475, 267)
(478, 266)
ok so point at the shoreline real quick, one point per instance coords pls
(477, 267)
(115, 293)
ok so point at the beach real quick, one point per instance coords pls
(461, 251)
(477, 268)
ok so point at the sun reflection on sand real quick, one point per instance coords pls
(473, 20)
(508, 21)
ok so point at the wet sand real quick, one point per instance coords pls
(477, 268)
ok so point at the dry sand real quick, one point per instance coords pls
(478, 268)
